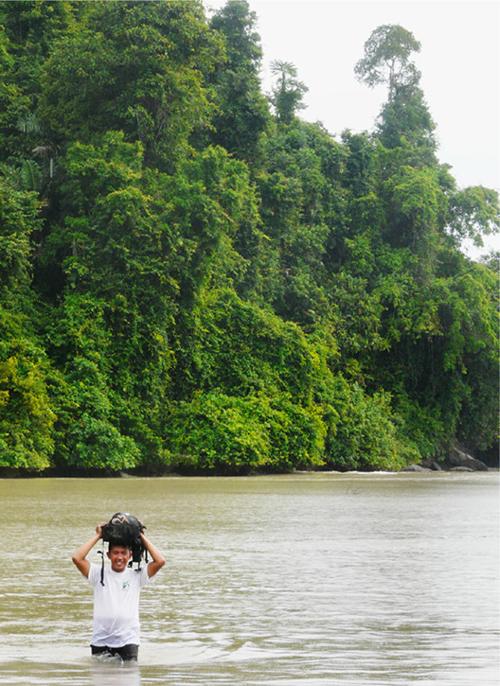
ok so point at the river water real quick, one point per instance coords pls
(307, 579)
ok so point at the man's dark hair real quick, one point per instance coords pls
(115, 543)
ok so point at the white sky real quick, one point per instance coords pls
(459, 60)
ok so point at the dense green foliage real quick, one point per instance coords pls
(193, 278)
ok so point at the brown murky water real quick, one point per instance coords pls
(309, 579)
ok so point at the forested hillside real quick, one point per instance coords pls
(192, 278)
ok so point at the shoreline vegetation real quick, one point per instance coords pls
(79, 474)
(195, 280)
(457, 461)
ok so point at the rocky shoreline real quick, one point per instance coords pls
(457, 460)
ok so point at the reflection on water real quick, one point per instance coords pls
(310, 579)
(111, 671)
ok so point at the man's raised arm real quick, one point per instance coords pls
(158, 559)
(79, 556)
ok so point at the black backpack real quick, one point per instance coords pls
(124, 529)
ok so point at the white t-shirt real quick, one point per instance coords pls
(116, 605)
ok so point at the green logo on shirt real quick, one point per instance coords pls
(125, 584)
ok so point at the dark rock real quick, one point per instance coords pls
(461, 469)
(491, 456)
(432, 464)
(415, 468)
(458, 458)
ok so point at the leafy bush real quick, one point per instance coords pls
(221, 434)
(362, 431)
(26, 413)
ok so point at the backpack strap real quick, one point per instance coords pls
(101, 553)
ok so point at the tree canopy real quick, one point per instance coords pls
(193, 278)
(387, 58)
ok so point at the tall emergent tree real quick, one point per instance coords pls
(242, 110)
(288, 92)
(387, 58)
(428, 363)
(405, 116)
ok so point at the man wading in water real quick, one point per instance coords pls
(116, 595)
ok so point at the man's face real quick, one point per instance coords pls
(119, 557)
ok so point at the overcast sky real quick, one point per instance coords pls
(459, 60)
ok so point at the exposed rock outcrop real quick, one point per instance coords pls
(459, 458)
